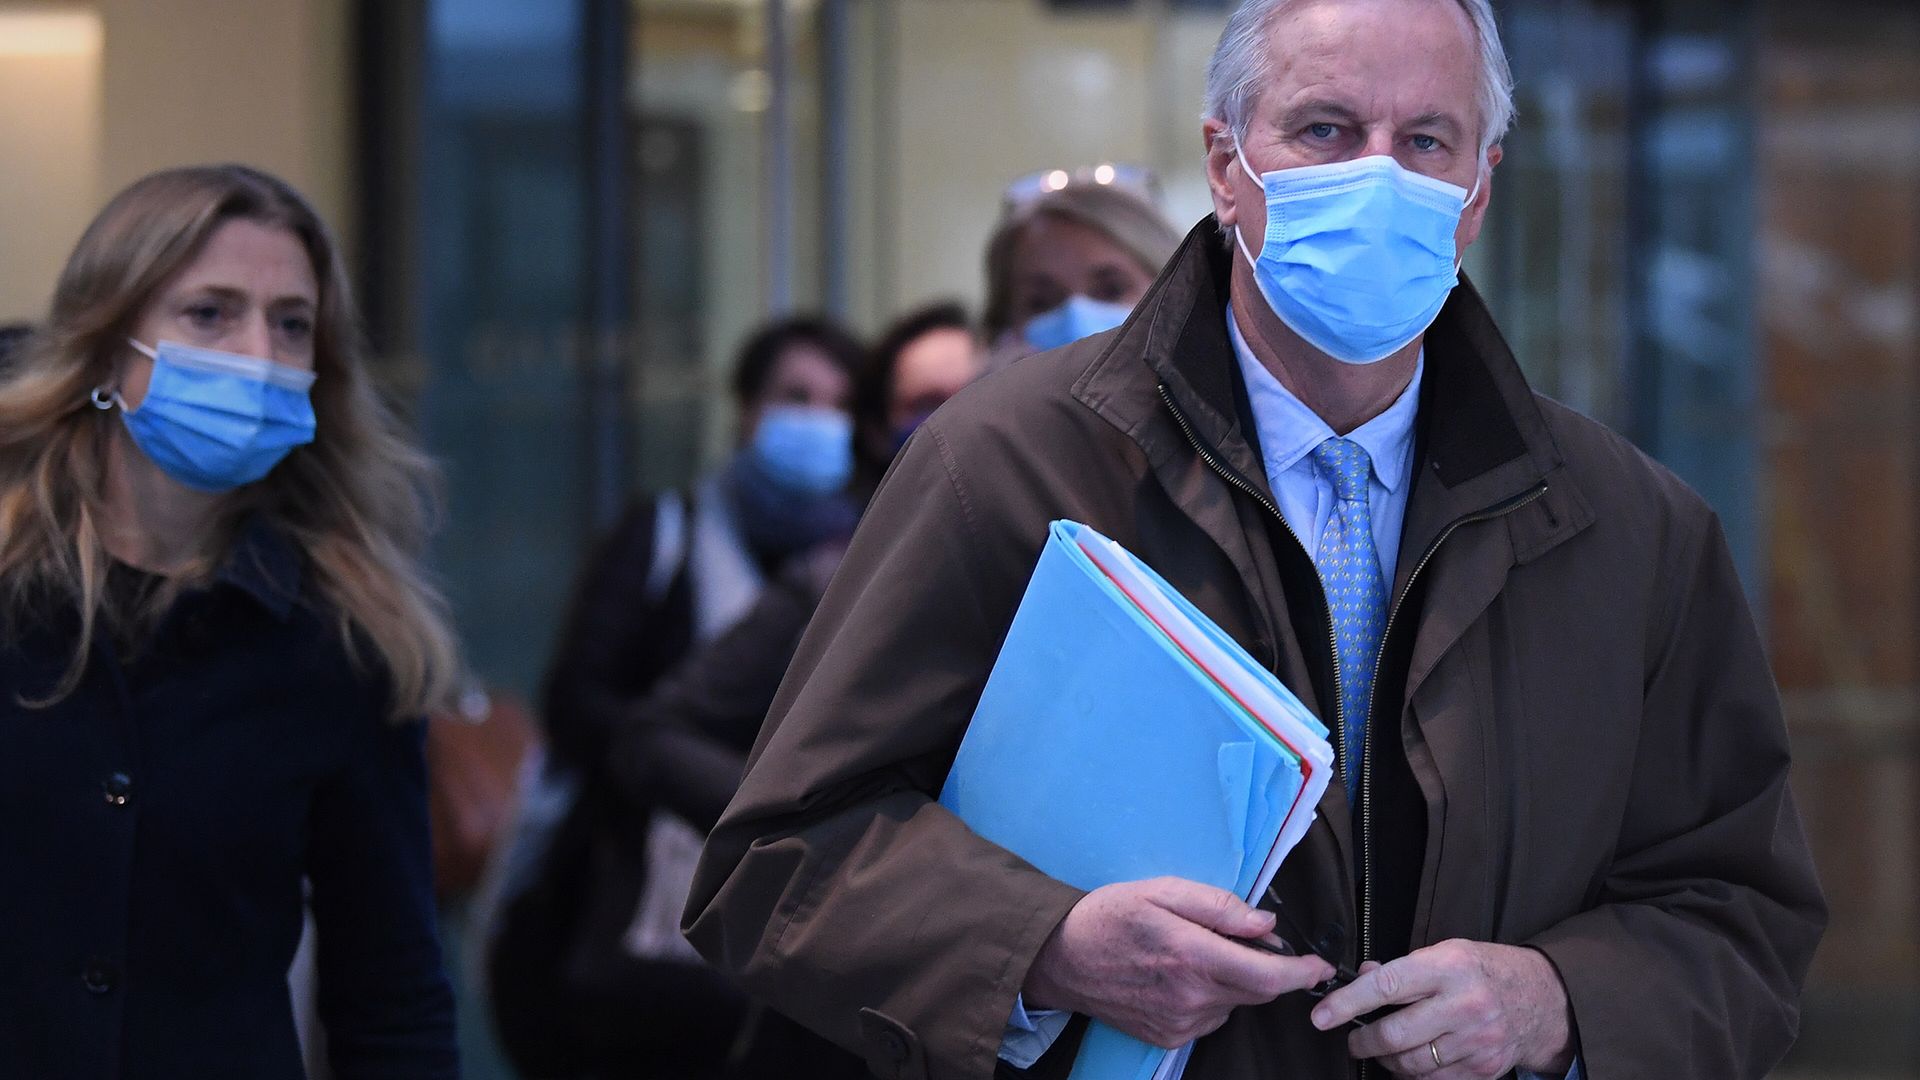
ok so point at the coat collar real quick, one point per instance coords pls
(1480, 437)
(264, 563)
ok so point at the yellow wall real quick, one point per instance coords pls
(266, 82)
(49, 149)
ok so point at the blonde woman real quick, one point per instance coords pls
(1069, 262)
(215, 636)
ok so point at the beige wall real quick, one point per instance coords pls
(49, 153)
(266, 82)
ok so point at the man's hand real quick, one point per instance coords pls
(1154, 959)
(1482, 1009)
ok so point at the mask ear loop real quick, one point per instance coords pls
(1240, 234)
(105, 399)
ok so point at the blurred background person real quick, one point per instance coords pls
(680, 752)
(581, 985)
(1070, 261)
(925, 357)
(705, 553)
(216, 642)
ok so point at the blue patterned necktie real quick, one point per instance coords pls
(1349, 568)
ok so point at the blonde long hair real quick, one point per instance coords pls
(358, 501)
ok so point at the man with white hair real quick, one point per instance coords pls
(1562, 842)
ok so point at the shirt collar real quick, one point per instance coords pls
(1289, 430)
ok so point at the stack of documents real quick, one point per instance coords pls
(1123, 736)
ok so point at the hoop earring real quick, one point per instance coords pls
(103, 398)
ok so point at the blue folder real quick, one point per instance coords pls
(1109, 746)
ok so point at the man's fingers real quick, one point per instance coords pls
(1253, 977)
(1216, 909)
(1404, 1032)
(1406, 980)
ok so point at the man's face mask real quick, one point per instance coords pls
(1358, 256)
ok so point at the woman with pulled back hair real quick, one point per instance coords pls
(215, 640)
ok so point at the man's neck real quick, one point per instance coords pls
(149, 520)
(1344, 395)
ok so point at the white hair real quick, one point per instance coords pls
(1239, 68)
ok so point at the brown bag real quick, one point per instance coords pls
(473, 765)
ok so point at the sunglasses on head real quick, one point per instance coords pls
(1133, 179)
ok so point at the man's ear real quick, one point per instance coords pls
(1222, 166)
(1476, 212)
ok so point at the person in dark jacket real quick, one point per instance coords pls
(678, 568)
(684, 746)
(216, 636)
(681, 750)
(575, 991)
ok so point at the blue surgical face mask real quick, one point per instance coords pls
(805, 450)
(1359, 255)
(1079, 317)
(215, 421)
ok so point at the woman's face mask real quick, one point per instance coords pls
(803, 449)
(1079, 317)
(214, 421)
(790, 480)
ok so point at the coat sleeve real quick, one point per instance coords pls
(835, 887)
(1692, 962)
(684, 746)
(383, 995)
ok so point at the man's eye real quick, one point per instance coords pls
(1322, 131)
(1425, 142)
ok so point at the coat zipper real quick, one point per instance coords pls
(1333, 639)
(1500, 509)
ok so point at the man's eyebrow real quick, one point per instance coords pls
(1297, 113)
(1437, 119)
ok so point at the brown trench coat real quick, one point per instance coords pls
(1596, 755)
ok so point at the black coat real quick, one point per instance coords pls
(156, 826)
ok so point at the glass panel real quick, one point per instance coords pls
(1696, 375)
(1839, 316)
(501, 262)
(728, 216)
(1554, 255)
(1046, 85)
